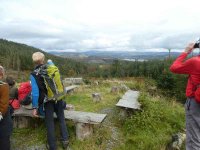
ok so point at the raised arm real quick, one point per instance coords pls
(182, 66)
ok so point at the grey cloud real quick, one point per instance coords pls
(162, 40)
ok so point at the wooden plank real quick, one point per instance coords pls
(77, 116)
(69, 88)
(129, 100)
(23, 112)
(73, 80)
(128, 104)
(85, 117)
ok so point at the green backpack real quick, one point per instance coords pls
(51, 76)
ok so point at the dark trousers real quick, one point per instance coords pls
(5, 143)
(6, 127)
(192, 109)
(50, 108)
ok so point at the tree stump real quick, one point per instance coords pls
(123, 87)
(96, 97)
(152, 90)
(26, 122)
(96, 83)
(83, 130)
(70, 107)
(115, 89)
(177, 141)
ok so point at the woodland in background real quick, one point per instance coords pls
(169, 84)
(18, 57)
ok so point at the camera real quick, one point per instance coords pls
(197, 44)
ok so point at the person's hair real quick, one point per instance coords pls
(2, 71)
(38, 57)
(10, 81)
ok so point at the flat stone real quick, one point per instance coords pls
(130, 100)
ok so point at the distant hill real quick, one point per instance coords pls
(18, 56)
(106, 56)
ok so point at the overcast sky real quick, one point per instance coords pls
(111, 25)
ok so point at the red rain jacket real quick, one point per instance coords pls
(191, 67)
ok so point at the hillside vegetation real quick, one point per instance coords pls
(19, 57)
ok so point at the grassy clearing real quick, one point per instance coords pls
(30, 136)
(150, 128)
(82, 99)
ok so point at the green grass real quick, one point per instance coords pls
(151, 128)
(29, 136)
(83, 101)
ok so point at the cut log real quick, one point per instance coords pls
(177, 141)
(115, 89)
(83, 130)
(96, 97)
(70, 107)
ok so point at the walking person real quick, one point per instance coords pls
(190, 67)
(47, 108)
(5, 117)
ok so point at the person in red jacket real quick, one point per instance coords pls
(191, 67)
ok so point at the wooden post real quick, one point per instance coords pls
(70, 107)
(115, 89)
(83, 130)
(96, 97)
(26, 122)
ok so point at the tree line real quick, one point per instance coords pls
(171, 85)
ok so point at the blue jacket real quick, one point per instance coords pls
(35, 92)
(39, 91)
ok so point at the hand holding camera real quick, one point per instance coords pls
(192, 46)
(189, 48)
(197, 44)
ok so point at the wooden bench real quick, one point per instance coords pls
(129, 100)
(70, 89)
(84, 121)
(68, 81)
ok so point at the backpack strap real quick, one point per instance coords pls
(11, 101)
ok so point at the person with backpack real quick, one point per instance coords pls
(5, 117)
(45, 101)
(190, 67)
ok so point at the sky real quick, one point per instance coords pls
(103, 25)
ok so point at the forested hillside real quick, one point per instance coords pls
(18, 57)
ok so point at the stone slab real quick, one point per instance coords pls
(130, 100)
(70, 88)
(77, 116)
